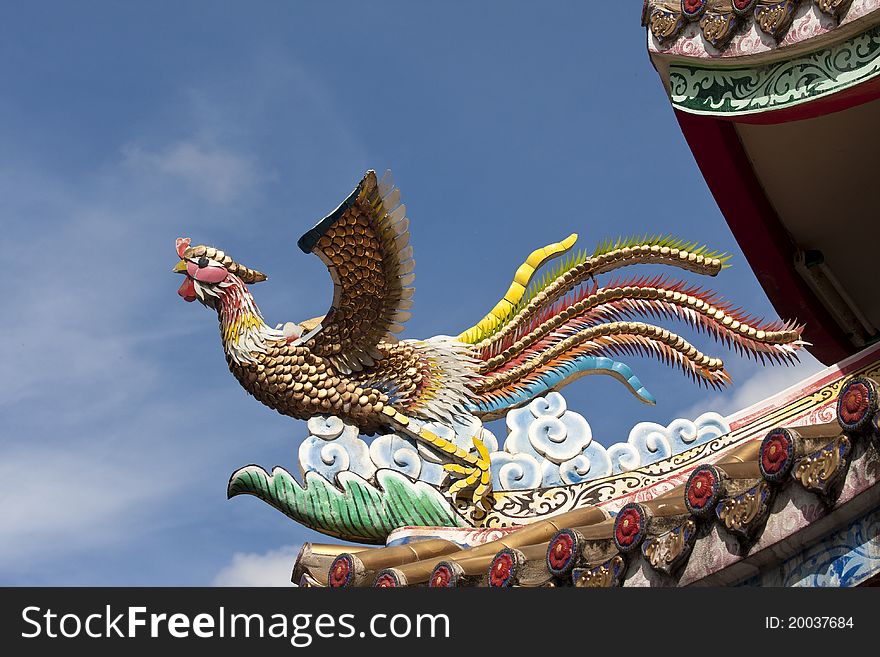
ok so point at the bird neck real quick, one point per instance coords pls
(242, 329)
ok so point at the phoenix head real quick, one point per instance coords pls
(209, 272)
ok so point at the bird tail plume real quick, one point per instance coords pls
(547, 332)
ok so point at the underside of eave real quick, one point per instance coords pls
(754, 223)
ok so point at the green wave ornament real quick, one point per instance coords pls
(740, 91)
(355, 510)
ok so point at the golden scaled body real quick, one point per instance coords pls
(295, 382)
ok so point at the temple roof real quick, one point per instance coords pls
(735, 518)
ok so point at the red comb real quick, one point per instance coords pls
(182, 245)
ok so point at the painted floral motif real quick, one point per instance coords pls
(718, 29)
(857, 404)
(501, 569)
(340, 572)
(693, 8)
(742, 6)
(832, 7)
(775, 454)
(775, 19)
(560, 552)
(701, 488)
(441, 577)
(665, 25)
(627, 527)
(854, 403)
(385, 581)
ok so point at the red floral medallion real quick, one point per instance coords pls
(340, 572)
(385, 581)
(501, 569)
(560, 551)
(775, 453)
(627, 527)
(701, 488)
(854, 403)
(692, 8)
(441, 578)
(743, 5)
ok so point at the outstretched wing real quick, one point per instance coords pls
(365, 245)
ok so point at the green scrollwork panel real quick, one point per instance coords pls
(741, 91)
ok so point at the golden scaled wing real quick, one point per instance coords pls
(365, 245)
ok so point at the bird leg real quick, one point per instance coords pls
(473, 471)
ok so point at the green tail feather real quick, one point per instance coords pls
(355, 511)
(660, 240)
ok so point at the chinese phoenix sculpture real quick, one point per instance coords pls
(541, 335)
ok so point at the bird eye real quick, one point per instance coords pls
(203, 262)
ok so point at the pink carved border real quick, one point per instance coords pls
(809, 23)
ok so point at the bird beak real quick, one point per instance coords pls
(180, 267)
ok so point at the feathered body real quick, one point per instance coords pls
(426, 379)
(539, 337)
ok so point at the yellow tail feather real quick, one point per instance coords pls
(517, 290)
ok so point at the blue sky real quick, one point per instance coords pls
(124, 126)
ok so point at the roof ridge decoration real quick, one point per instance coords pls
(548, 447)
(719, 20)
(716, 528)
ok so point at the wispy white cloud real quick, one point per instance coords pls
(764, 383)
(272, 568)
(92, 452)
(104, 446)
(69, 502)
(216, 174)
(78, 288)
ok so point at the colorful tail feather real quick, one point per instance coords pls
(494, 404)
(543, 335)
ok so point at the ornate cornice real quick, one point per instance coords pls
(739, 28)
(741, 91)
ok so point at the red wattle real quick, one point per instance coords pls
(187, 290)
